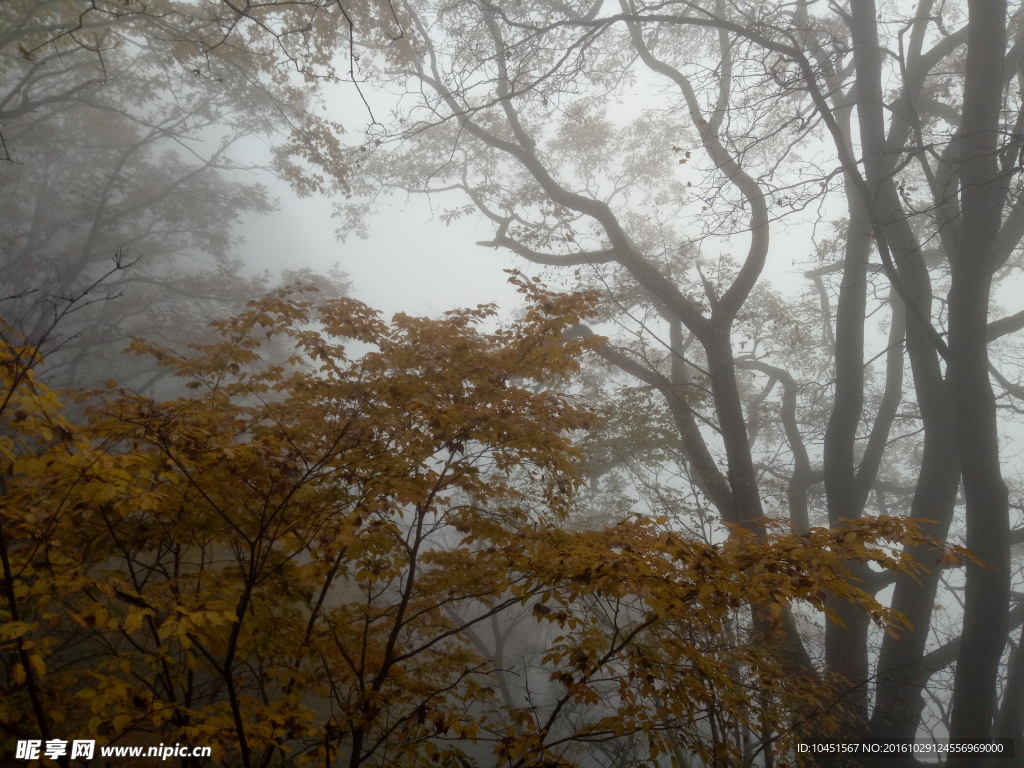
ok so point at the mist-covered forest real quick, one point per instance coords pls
(736, 480)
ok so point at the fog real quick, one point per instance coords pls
(732, 473)
(411, 262)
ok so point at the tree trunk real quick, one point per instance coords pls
(846, 650)
(973, 263)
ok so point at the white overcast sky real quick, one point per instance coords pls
(412, 262)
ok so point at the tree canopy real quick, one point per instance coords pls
(301, 562)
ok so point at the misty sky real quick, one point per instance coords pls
(411, 263)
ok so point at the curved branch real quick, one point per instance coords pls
(803, 475)
(522, 150)
(549, 259)
(1004, 326)
(731, 301)
(706, 475)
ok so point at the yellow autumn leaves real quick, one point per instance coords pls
(358, 557)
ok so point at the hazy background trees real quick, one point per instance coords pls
(133, 138)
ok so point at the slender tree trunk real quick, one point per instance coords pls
(901, 676)
(728, 406)
(1010, 723)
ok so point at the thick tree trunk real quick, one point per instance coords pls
(973, 263)
(898, 701)
(988, 586)
(846, 650)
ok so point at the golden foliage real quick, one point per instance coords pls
(295, 566)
